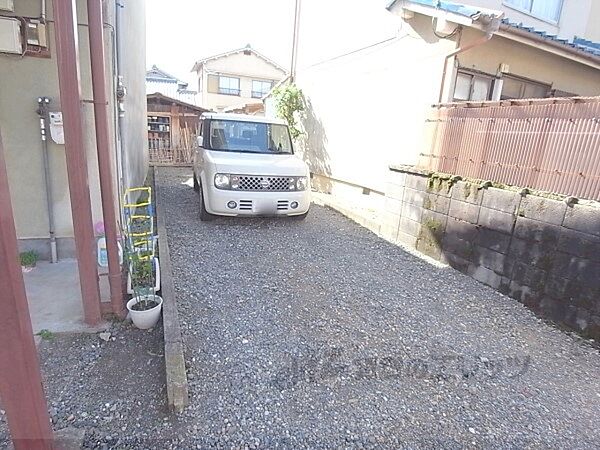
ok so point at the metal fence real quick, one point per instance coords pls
(546, 144)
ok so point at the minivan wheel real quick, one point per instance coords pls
(205, 216)
(196, 185)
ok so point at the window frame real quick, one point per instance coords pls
(229, 91)
(525, 81)
(253, 92)
(536, 16)
(474, 73)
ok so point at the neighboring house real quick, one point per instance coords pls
(386, 77)
(158, 80)
(235, 79)
(172, 129)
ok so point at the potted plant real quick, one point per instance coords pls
(156, 278)
(145, 306)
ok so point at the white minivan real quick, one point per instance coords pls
(245, 166)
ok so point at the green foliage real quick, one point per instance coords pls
(289, 101)
(28, 259)
(46, 335)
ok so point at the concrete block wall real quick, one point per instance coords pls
(541, 251)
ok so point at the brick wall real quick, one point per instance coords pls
(541, 251)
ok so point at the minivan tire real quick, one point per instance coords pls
(196, 185)
(205, 216)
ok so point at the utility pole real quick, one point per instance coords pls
(295, 41)
(20, 379)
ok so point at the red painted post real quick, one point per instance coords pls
(20, 379)
(96, 33)
(70, 100)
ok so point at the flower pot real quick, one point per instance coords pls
(156, 287)
(145, 319)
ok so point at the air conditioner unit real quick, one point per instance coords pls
(10, 35)
(7, 5)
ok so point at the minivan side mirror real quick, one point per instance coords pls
(199, 140)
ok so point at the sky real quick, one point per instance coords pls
(179, 32)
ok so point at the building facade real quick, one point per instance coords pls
(30, 72)
(235, 79)
(407, 58)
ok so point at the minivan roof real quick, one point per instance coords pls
(242, 118)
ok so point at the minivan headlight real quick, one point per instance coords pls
(222, 180)
(301, 183)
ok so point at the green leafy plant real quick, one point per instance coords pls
(289, 101)
(28, 259)
(142, 280)
(46, 335)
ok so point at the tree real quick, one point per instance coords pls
(289, 101)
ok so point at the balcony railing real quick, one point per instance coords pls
(229, 91)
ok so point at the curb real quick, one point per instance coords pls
(177, 383)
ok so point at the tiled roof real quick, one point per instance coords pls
(583, 45)
(577, 43)
(453, 7)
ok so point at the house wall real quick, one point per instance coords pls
(366, 92)
(575, 19)
(530, 62)
(23, 81)
(245, 67)
(592, 31)
(132, 61)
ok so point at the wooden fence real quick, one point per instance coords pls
(546, 144)
(178, 150)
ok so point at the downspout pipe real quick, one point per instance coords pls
(458, 51)
(489, 24)
(97, 58)
(43, 103)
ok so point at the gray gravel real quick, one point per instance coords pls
(114, 389)
(320, 334)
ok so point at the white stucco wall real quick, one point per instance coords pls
(365, 108)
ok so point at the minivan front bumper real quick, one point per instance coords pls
(248, 203)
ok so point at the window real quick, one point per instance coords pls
(260, 88)
(543, 9)
(249, 137)
(229, 85)
(472, 87)
(515, 88)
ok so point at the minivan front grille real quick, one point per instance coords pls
(265, 183)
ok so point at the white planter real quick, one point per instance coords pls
(145, 319)
(156, 280)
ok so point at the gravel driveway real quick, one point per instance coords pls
(317, 333)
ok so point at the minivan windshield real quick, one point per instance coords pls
(249, 137)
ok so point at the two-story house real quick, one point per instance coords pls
(236, 78)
